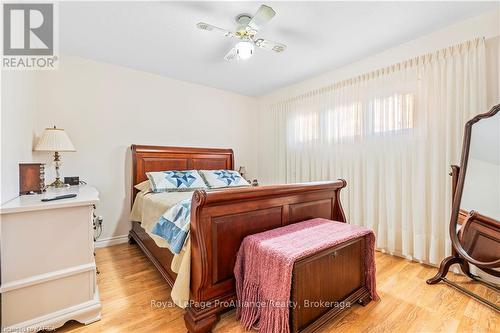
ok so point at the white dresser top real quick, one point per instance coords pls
(86, 195)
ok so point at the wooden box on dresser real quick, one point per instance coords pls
(48, 271)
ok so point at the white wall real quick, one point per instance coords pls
(105, 108)
(486, 25)
(18, 91)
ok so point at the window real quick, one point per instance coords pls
(379, 116)
(344, 122)
(392, 113)
(305, 127)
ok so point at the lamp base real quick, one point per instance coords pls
(58, 184)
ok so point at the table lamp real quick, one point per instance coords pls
(55, 140)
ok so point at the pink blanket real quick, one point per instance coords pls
(264, 265)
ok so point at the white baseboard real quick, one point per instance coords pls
(110, 241)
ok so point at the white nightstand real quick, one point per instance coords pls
(48, 273)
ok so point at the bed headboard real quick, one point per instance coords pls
(158, 158)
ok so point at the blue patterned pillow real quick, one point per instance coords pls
(223, 178)
(175, 181)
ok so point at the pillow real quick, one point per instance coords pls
(223, 178)
(175, 181)
(143, 186)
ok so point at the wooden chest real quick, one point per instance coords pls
(326, 283)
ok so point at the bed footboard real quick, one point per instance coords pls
(220, 221)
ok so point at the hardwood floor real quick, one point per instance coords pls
(129, 285)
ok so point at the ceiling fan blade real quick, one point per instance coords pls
(263, 15)
(213, 28)
(270, 45)
(231, 54)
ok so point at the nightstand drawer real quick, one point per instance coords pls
(22, 304)
(43, 241)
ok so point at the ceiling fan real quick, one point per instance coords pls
(247, 28)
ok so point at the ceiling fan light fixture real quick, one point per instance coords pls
(244, 49)
(247, 28)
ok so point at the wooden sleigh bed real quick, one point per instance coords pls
(220, 220)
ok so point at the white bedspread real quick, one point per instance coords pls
(147, 209)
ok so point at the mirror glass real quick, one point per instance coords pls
(481, 190)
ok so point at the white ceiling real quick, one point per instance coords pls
(161, 37)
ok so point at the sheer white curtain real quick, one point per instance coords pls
(392, 134)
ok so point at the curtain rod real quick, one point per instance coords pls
(409, 63)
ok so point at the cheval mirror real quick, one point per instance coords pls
(475, 217)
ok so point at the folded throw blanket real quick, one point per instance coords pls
(264, 266)
(174, 224)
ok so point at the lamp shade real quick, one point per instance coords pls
(54, 139)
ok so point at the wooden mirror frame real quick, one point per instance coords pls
(459, 253)
(457, 246)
